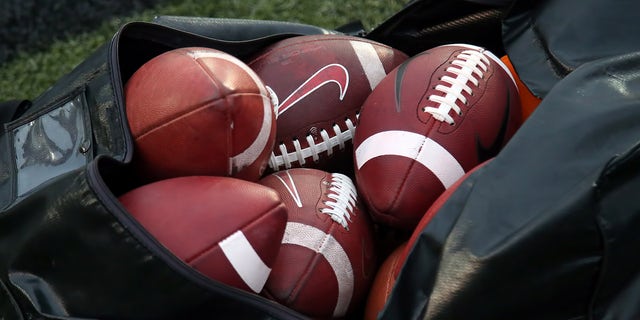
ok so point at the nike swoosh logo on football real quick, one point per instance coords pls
(492, 150)
(398, 80)
(291, 187)
(334, 72)
(398, 84)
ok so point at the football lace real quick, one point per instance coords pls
(299, 154)
(342, 193)
(469, 66)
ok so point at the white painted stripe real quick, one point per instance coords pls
(244, 259)
(317, 240)
(207, 53)
(413, 146)
(250, 154)
(203, 53)
(370, 62)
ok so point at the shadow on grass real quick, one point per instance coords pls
(33, 25)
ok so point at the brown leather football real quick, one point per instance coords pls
(432, 119)
(199, 111)
(384, 281)
(320, 82)
(386, 276)
(226, 228)
(327, 260)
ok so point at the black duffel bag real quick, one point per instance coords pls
(68, 248)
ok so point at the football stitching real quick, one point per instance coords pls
(470, 66)
(339, 138)
(343, 193)
(299, 154)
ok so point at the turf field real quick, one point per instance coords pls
(41, 40)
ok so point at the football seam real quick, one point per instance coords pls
(248, 224)
(197, 107)
(201, 106)
(402, 186)
(239, 64)
(318, 257)
(207, 71)
(317, 39)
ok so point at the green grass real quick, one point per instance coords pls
(29, 73)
